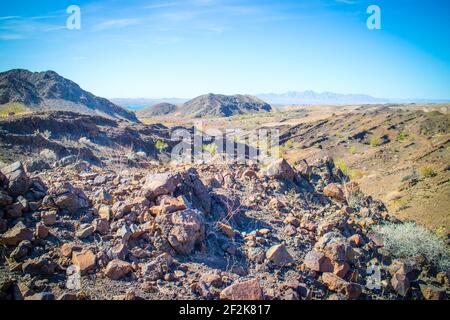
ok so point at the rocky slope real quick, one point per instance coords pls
(49, 91)
(218, 105)
(210, 231)
(55, 135)
(159, 109)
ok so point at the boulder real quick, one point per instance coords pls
(182, 229)
(158, 184)
(84, 260)
(117, 269)
(335, 191)
(247, 290)
(18, 180)
(280, 169)
(67, 197)
(335, 283)
(317, 261)
(16, 234)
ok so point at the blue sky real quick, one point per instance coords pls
(175, 48)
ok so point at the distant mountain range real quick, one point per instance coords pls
(312, 97)
(50, 91)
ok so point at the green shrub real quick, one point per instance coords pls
(402, 136)
(408, 240)
(211, 148)
(375, 142)
(161, 145)
(352, 149)
(340, 164)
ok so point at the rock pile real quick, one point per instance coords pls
(211, 231)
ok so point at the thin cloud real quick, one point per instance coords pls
(116, 23)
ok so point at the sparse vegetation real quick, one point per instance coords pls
(375, 142)
(161, 145)
(352, 149)
(16, 108)
(408, 240)
(427, 172)
(46, 134)
(211, 148)
(402, 136)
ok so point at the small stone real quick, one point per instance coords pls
(400, 284)
(355, 240)
(49, 218)
(226, 229)
(430, 292)
(101, 226)
(41, 231)
(213, 279)
(279, 255)
(247, 290)
(105, 212)
(84, 231)
(66, 249)
(340, 268)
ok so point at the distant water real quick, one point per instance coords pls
(135, 107)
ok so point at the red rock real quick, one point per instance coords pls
(317, 261)
(247, 290)
(16, 234)
(432, 292)
(335, 191)
(227, 229)
(334, 283)
(85, 260)
(340, 269)
(355, 240)
(279, 255)
(117, 269)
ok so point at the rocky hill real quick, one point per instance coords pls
(159, 109)
(49, 91)
(218, 105)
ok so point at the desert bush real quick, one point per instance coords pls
(427, 172)
(402, 136)
(211, 148)
(352, 149)
(161, 145)
(408, 240)
(340, 164)
(375, 142)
